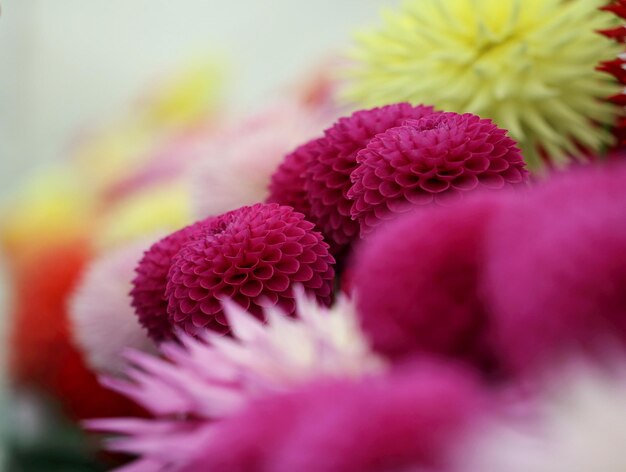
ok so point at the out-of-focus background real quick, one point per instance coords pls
(69, 64)
(69, 68)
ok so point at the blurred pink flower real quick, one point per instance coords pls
(555, 277)
(416, 281)
(239, 162)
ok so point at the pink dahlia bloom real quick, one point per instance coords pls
(435, 159)
(556, 276)
(102, 321)
(255, 256)
(203, 381)
(416, 281)
(240, 161)
(149, 284)
(328, 175)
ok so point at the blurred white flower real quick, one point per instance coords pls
(578, 426)
(103, 322)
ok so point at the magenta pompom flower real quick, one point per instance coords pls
(561, 285)
(435, 159)
(287, 185)
(416, 282)
(148, 292)
(254, 256)
(328, 175)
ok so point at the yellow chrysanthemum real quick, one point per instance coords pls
(527, 64)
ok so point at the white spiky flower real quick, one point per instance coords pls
(201, 380)
(579, 426)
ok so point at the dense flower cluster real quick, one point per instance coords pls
(399, 294)
(377, 163)
(442, 281)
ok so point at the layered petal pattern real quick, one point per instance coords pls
(150, 282)
(328, 175)
(436, 159)
(255, 256)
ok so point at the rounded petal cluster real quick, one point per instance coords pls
(148, 292)
(416, 282)
(435, 159)
(519, 64)
(410, 420)
(562, 285)
(255, 256)
(328, 175)
(287, 185)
